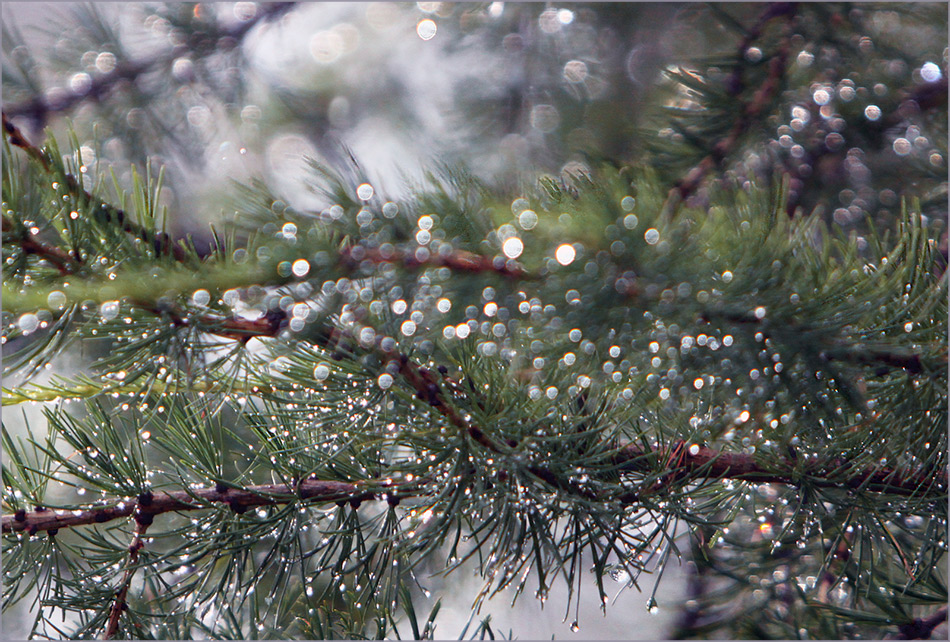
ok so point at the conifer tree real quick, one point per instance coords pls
(671, 290)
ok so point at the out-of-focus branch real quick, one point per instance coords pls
(746, 113)
(39, 108)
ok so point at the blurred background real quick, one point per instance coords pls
(846, 101)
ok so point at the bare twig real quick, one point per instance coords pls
(31, 244)
(142, 522)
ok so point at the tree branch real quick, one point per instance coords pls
(162, 241)
(746, 113)
(39, 107)
(237, 498)
(142, 521)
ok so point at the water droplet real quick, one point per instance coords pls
(902, 146)
(908, 326)
(200, 297)
(760, 312)
(408, 328)
(426, 29)
(321, 372)
(300, 267)
(575, 71)
(575, 627)
(513, 247)
(565, 254)
(109, 310)
(630, 221)
(651, 236)
(528, 219)
(545, 118)
(872, 112)
(365, 192)
(56, 300)
(930, 72)
(444, 305)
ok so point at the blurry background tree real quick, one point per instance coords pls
(582, 291)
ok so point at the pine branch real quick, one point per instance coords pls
(709, 463)
(746, 113)
(692, 461)
(238, 499)
(39, 108)
(458, 260)
(31, 244)
(162, 241)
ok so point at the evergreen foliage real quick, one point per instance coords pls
(675, 349)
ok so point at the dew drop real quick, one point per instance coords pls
(28, 323)
(200, 297)
(565, 254)
(513, 247)
(56, 300)
(527, 219)
(651, 236)
(300, 267)
(321, 372)
(575, 627)
(426, 29)
(365, 192)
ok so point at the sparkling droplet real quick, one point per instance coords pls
(651, 236)
(513, 247)
(300, 267)
(930, 72)
(426, 29)
(28, 323)
(56, 300)
(365, 192)
(321, 372)
(565, 254)
(528, 219)
(385, 380)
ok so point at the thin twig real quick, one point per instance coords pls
(700, 461)
(31, 244)
(142, 522)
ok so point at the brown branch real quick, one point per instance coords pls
(708, 463)
(31, 244)
(748, 112)
(39, 107)
(458, 260)
(142, 522)
(238, 499)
